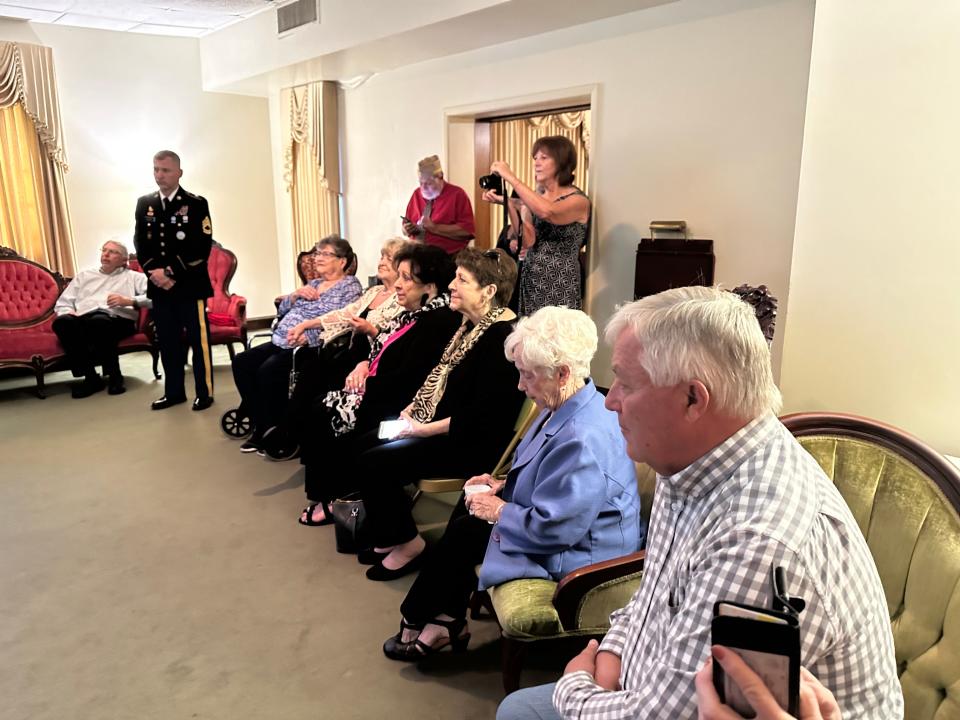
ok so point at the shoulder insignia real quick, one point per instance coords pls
(206, 226)
(190, 194)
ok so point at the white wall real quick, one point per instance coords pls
(874, 325)
(699, 116)
(117, 111)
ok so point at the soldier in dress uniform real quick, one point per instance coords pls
(173, 239)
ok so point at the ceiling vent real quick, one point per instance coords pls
(296, 14)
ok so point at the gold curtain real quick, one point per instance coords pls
(311, 163)
(35, 218)
(512, 141)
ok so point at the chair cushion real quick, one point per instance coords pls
(224, 333)
(26, 343)
(224, 319)
(135, 339)
(914, 535)
(525, 609)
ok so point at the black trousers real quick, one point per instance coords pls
(447, 579)
(262, 376)
(175, 318)
(383, 468)
(91, 339)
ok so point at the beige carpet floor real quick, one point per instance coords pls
(148, 569)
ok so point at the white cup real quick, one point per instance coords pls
(469, 490)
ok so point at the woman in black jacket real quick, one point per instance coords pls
(382, 385)
(459, 421)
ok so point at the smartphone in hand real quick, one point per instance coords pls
(389, 429)
(769, 643)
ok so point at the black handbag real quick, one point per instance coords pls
(349, 523)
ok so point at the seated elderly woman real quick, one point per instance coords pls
(380, 386)
(570, 498)
(459, 422)
(337, 341)
(262, 373)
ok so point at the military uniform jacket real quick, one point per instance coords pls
(178, 239)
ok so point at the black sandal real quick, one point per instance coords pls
(417, 650)
(392, 647)
(327, 517)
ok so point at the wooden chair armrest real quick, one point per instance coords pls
(573, 587)
(440, 485)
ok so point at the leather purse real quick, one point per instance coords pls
(349, 523)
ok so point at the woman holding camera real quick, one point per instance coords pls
(555, 221)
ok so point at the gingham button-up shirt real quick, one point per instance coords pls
(716, 528)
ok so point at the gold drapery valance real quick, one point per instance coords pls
(34, 213)
(568, 121)
(311, 162)
(27, 76)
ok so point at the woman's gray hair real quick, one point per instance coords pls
(553, 337)
(705, 334)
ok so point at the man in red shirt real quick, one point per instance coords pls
(438, 213)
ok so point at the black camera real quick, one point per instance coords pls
(492, 182)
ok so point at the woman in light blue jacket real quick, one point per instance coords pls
(569, 500)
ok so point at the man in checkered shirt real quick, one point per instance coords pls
(736, 495)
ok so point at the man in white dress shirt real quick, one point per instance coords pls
(97, 310)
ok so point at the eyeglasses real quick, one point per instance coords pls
(492, 254)
(327, 253)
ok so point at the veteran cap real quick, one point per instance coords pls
(430, 166)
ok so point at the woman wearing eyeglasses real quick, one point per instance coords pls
(555, 221)
(459, 421)
(262, 373)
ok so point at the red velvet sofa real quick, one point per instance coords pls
(28, 292)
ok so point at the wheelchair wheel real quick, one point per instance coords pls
(236, 425)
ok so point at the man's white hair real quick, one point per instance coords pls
(705, 334)
(120, 246)
(553, 337)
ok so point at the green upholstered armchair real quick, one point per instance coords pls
(906, 499)
(580, 604)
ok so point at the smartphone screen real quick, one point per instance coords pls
(767, 643)
(774, 670)
(389, 429)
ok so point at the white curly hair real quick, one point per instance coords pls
(554, 337)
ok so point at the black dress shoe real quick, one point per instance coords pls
(202, 403)
(165, 402)
(115, 385)
(380, 573)
(87, 387)
(371, 556)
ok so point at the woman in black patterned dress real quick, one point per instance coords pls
(555, 220)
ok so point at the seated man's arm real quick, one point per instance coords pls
(140, 299)
(659, 678)
(67, 302)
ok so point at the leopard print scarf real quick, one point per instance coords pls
(429, 395)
